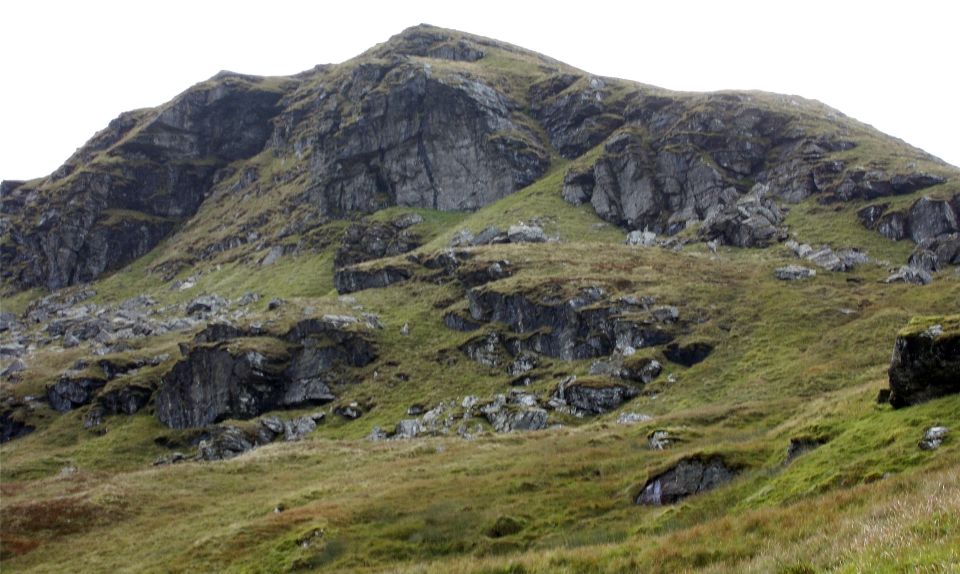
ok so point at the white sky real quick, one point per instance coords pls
(68, 68)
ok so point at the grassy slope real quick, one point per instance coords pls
(791, 361)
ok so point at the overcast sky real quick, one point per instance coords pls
(68, 68)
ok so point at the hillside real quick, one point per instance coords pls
(454, 306)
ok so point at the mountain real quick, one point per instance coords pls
(453, 305)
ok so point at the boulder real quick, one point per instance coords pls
(908, 274)
(509, 419)
(16, 366)
(641, 238)
(296, 429)
(490, 235)
(632, 418)
(933, 437)
(8, 321)
(486, 350)
(408, 428)
(688, 477)
(660, 440)
(522, 364)
(794, 273)
(926, 360)
(224, 443)
(593, 397)
(752, 221)
(350, 412)
(523, 233)
(935, 254)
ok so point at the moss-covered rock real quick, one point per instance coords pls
(926, 360)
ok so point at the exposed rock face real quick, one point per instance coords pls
(687, 164)
(523, 233)
(594, 397)
(242, 378)
(908, 274)
(511, 419)
(753, 221)
(126, 400)
(365, 241)
(105, 214)
(863, 184)
(690, 476)
(447, 143)
(225, 443)
(926, 361)
(924, 220)
(12, 427)
(352, 279)
(576, 111)
(405, 125)
(213, 383)
(581, 327)
(935, 254)
(72, 391)
(486, 350)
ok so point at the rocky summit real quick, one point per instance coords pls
(453, 305)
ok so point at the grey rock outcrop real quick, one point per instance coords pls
(593, 397)
(296, 429)
(242, 378)
(909, 274)
(641, 238)
(216, 382)
(690, 476)
(371, 240)
(577, 111)
(752, 221)
(225, 443)
(72, 391)
(581, 327)
(102, 215)
(523, 233)
(353, 279)
(510, 419)
(932, 255)
(924, 220)
(127, 400)
(926, 361)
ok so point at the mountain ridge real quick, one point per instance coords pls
(513, 144)
(478, 311)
